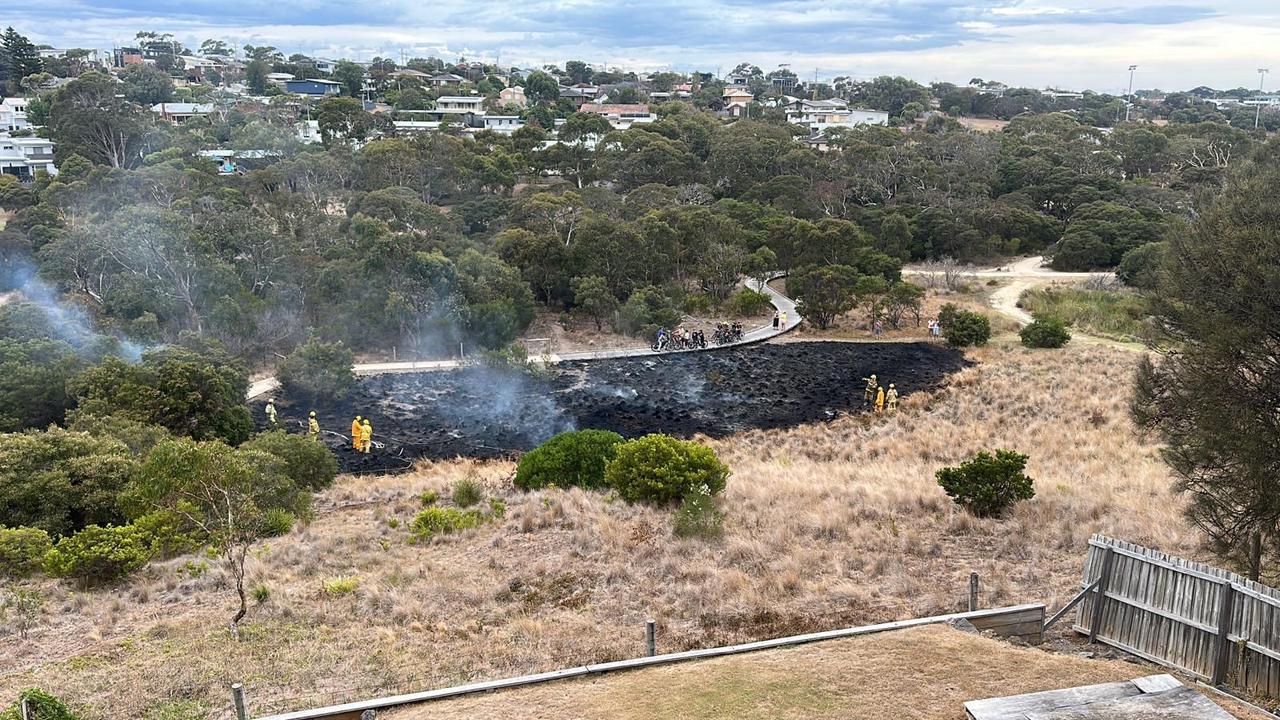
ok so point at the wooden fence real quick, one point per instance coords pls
(1187, 615)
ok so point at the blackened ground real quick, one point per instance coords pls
(488, 412)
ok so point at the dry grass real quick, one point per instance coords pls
(924, 673)
(828, 525)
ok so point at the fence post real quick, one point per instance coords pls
(237, 695)
(1222, 648)
(26, 714)
(1104, 578)
(651, 637)
(973, 591)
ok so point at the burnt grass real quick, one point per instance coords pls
(497, 412)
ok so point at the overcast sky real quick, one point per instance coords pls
(1071, 44)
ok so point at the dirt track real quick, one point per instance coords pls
(487, 412)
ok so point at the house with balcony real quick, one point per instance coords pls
(23, 157)
(502, 124)
(818, 115)
(13, 114)
(467, 110)
(313, 87)
(180, 112)
(621, 116)
(736, 101)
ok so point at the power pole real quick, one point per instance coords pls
(1257, 116)
(1129, 102)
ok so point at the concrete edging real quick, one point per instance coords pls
(354, 709)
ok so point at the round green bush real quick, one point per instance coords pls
(22, 550)
(311, 465)
(571, 459)
(1045, 333)
(966, 328)
(97, 555)
(318, 370)
(444, 520)
(41, 705)
(748, 303)
(277, 522)
(987, 484)
(660, 468)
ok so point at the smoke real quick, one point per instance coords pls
(63, 320)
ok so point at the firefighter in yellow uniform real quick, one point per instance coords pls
(879, 400)
(355, 434)
(891, 399)
(366, 436)
(271, 411)
(872, 384)
(313, 427)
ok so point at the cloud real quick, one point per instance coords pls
(1029, 37)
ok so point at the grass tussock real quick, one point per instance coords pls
(824, 525)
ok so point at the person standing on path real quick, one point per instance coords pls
(784, 319)
(775, 319)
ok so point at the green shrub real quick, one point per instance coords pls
(987, 484)
(41, 705)
(22, 550)
(660, 468)
(570, 459)
(645, 311)
(429, 498)
(467, 492)
(169, 534)
(339, 586)
(98, 555)
(261, 593)
(277, 522)
(318, 370)
(311, 465)
(1140, 266)
(696, 303)
(966, 328)
(21, 608)
(442, 521)
(698, 517)
(745, 303)
(1045, 332)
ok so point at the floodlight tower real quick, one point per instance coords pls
(1129, 102)
(1257, 115)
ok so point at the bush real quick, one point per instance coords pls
(1045, 333)
(570, 459)
(339, 586)
(98, 555)
(467, 492)
(60, 481)
(318, 370)
(311, 465)
(22, 550)
(442, 521)
(261, 593)
(987, 484)
(966, 328)
(660, 468)
(1140, 266)
(746, 303)
(645, 311)
(429, 498)
(169, 534)
(277, 522)
(698, 517)
(40, 704)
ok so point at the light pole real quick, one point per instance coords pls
(1129, 102)
(1257, 115)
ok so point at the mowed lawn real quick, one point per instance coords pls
(924, 673)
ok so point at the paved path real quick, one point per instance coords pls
(780, 302)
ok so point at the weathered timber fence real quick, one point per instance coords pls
(1197, 618)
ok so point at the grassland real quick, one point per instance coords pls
(830, 524)
(1117, 314)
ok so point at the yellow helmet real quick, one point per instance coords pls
(357, 418)
(890, 384)
(313, 413)
(873, 376)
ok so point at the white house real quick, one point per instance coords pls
(180, 112)
(503, 124)
(621, 116)
(818, 115)
(24, 156)
(458, 104)
(13, 114)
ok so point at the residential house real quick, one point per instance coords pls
(279, 77)
(23, 157)
(621, 117)
(123, 57)
(512, 96)
(313, 87)
(13, 114)
(736, 80)
(579, 94)
(411, 74)
(445, 80)
(180, 112)
(502, 124)
(784, 83)
(737, 101)
(198, 67)
(465, 109)
(1062, 94)
(818, 115)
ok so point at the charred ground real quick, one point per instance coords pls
(491, 412)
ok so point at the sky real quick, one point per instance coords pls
(1069, 44)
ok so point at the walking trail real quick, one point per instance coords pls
(780, 302)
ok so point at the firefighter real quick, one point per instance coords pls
(891, 399)
(880, 400)
(355, 434)
(872, 384)
(313, 426)
(271, 411)
(366, 436)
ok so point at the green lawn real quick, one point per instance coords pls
(1116, 314)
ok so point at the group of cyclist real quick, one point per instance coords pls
(682, 339)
